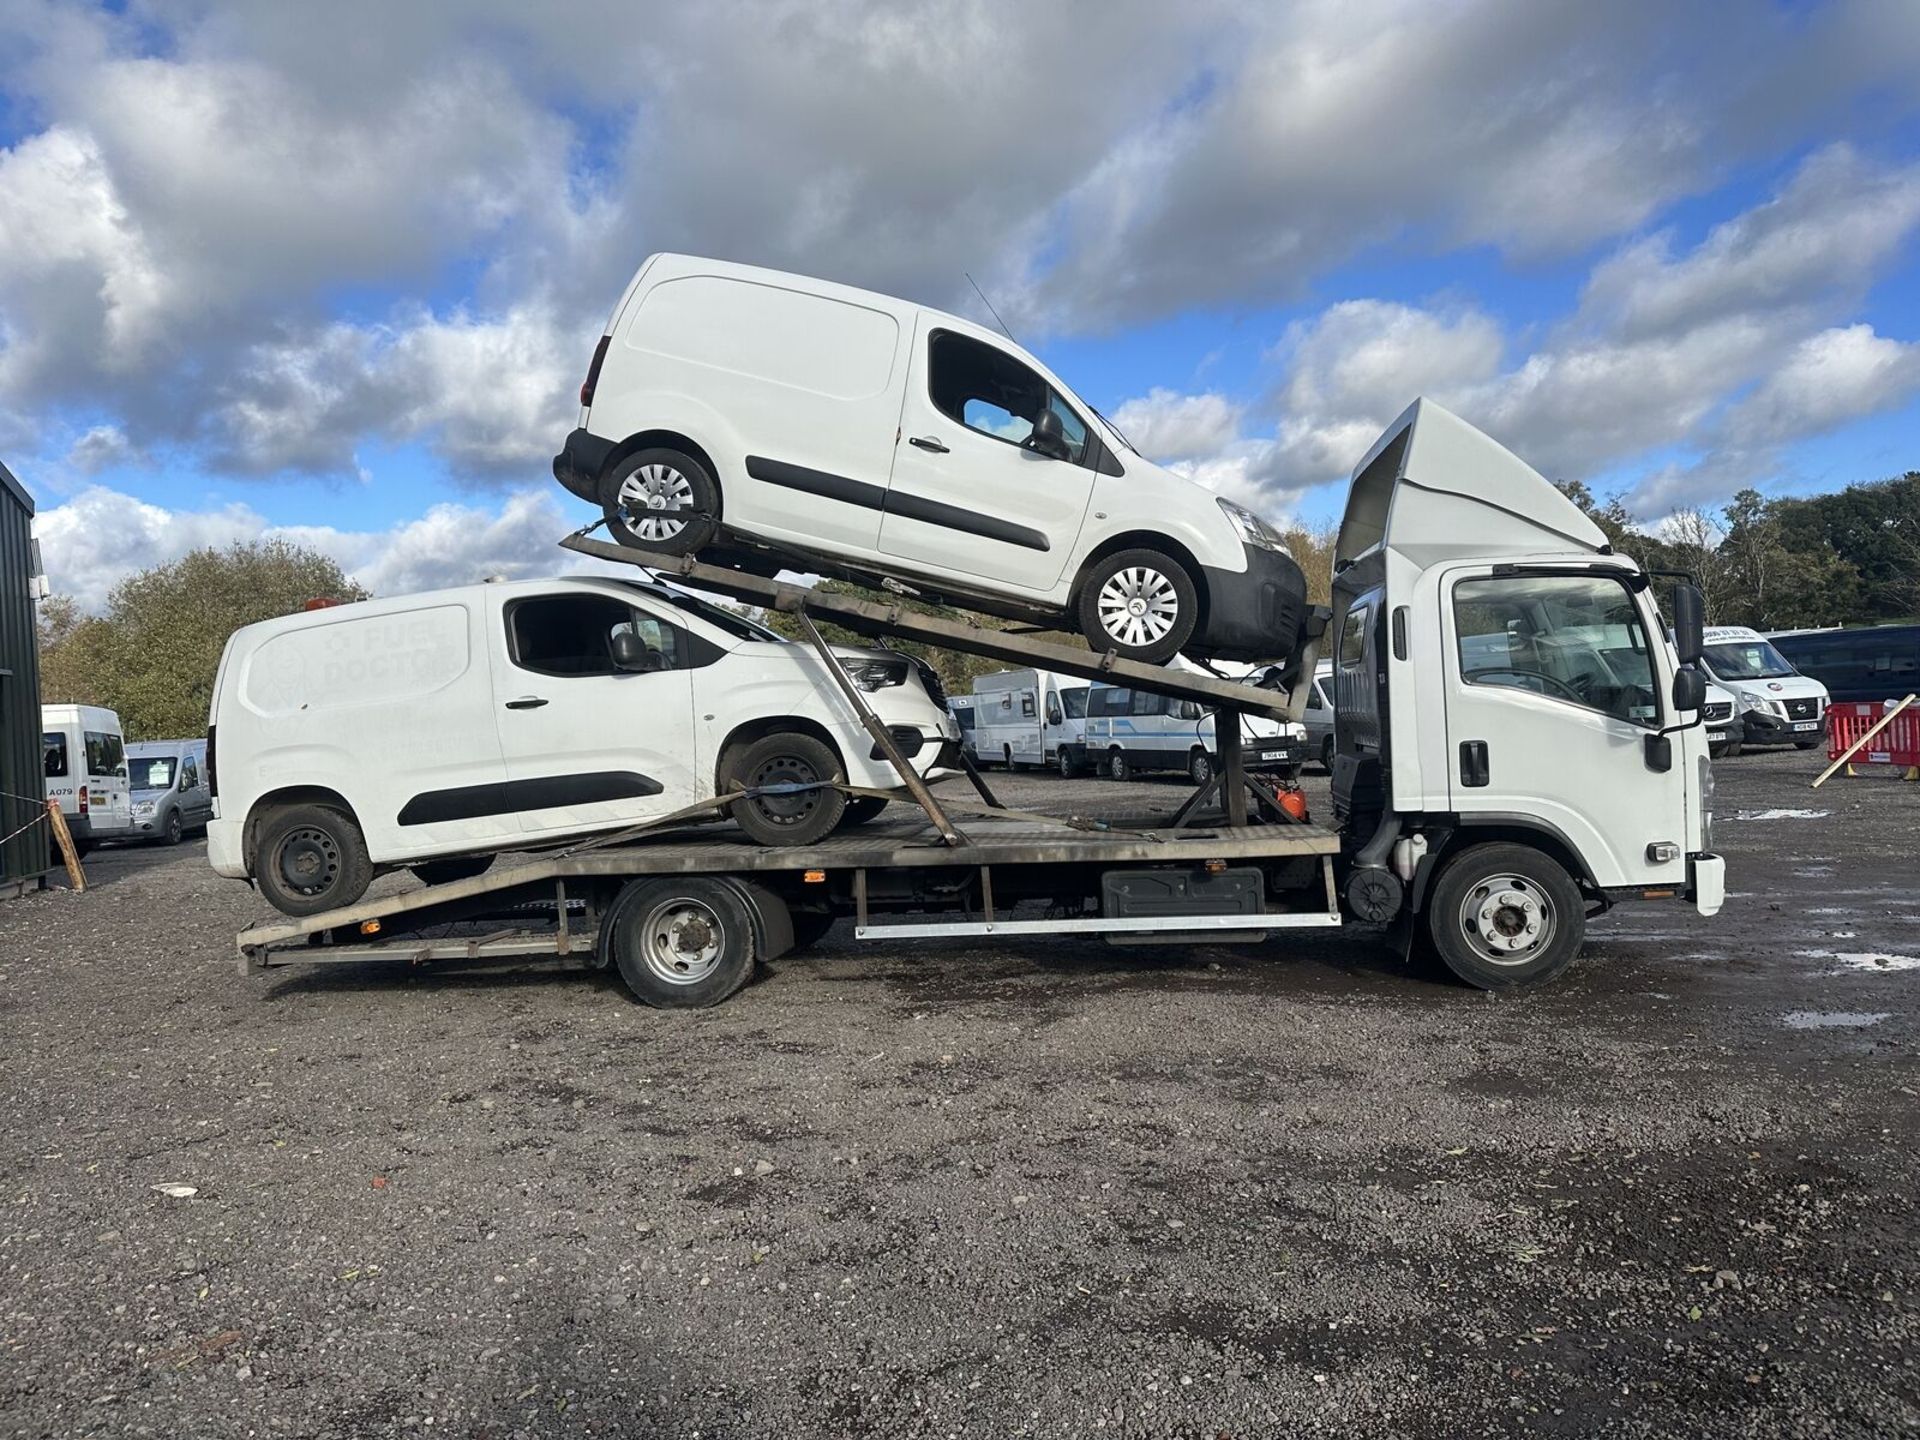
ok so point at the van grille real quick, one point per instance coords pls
(1721, 711)
(1807, 709)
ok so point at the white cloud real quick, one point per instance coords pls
(1830, 378)
(100, 537)
(1166, 425)
(99, 448)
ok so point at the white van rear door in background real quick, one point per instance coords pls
(588, 746)
(965, 496)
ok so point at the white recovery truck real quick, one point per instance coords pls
(1519, 748)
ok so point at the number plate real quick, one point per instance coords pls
(1270, 757)
(1806, 725)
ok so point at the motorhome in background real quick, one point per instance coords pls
(84, 755)
(1032, 718)
(1780, 706)
(1870, 662)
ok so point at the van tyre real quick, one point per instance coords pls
(1140, 604)
(1326, 754)
(681, 944)
(661, 500)
(798, 818)
(1069, 764)
(311, 858)
(455, 867)
(1199, 767)
(174, 832)
(1117, 766)
(1504, 915)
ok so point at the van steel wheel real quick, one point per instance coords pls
(1326, 754)
(311, 858)
(680, 944)
(1199, 767)
(1117, 766)
(173, 833)
(796, 817)
(661, 500)
(1503, 915)
(1140, 604)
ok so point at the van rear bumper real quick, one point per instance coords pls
(1253, 614)
(579, 463)
(225, 851)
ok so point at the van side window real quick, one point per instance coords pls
(1575, 639)
(1353, 636)
(1145, 704)
(53, 748)
(1026, 706)
(105, 753)
(190, 775)
(989, 391)
(573, 634)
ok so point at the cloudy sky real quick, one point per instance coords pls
(334, 270)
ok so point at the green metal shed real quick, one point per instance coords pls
(24, 857)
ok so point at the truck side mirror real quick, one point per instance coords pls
(1048, 438)
(1689, 689)
(629, 652)
(1689, 623)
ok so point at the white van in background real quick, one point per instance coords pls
(433, 731)
(874, 439)
(1030, 717)
(1130, 732)
(1779, 705)
(85, 756)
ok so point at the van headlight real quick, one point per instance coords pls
(144, 807)
(870, 674)
(1253, 530)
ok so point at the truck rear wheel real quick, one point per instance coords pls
(311, 858)
(799, 816)
(681, 944)
(1504, 915)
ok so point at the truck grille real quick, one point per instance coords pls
(1807, 709)
(1721, 711)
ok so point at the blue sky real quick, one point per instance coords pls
(334, 272)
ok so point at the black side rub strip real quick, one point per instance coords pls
(471, 802)
(908, 507)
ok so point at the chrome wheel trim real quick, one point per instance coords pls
(1507, 920)
(1138, 606)
(681, 941)
(650, 497)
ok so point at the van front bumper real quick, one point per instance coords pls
(579, 463)
(1253, 614)
(1765, 729)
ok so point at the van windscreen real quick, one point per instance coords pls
(1746, 660)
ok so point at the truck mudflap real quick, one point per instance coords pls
(1707, 882)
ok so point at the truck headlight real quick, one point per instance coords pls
(870, 674)
(1253, 530)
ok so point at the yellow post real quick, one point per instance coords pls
(63, 841)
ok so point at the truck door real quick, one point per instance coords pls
(1553, 689)
(587, 745)
(967, 497)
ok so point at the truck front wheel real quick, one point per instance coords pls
(1505, 915)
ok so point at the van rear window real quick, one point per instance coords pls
(106, 755)
(53, 747)
(766, 332)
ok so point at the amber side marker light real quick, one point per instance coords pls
(369, 927)
(815, 877)
(1216, 867)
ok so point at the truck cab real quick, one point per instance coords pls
(1515, 744)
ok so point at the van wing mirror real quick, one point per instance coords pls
(1689, 622)
(1689, 689)
(629, 652)
(1048, 437)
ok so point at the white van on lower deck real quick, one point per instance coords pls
(432, 731)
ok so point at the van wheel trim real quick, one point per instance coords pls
(1138, 605)
(682, 940)
(649, 496)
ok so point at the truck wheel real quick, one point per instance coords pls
(681, 943)
(1504, 915)
(173, 834)
(311, 858)
(1117, 766)
(661, 500)
(788, 758)
(457, 867)
(1199, 767)
(1140, 604)
(861, 809)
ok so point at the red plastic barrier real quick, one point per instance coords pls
(1897, 744)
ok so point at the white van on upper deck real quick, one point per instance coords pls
(874, 438)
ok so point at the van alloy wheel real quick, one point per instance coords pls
(649, 499)
(1138, 606)
(1507, 919)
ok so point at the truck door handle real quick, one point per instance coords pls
(928, 442)
(526, 702)
(1473, 763)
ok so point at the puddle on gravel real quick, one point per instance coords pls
(1781, 814)
(1833, 1019)
(1874, 961)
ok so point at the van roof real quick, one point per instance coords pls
(423, 599)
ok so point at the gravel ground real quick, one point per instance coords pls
(1049, 1188)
